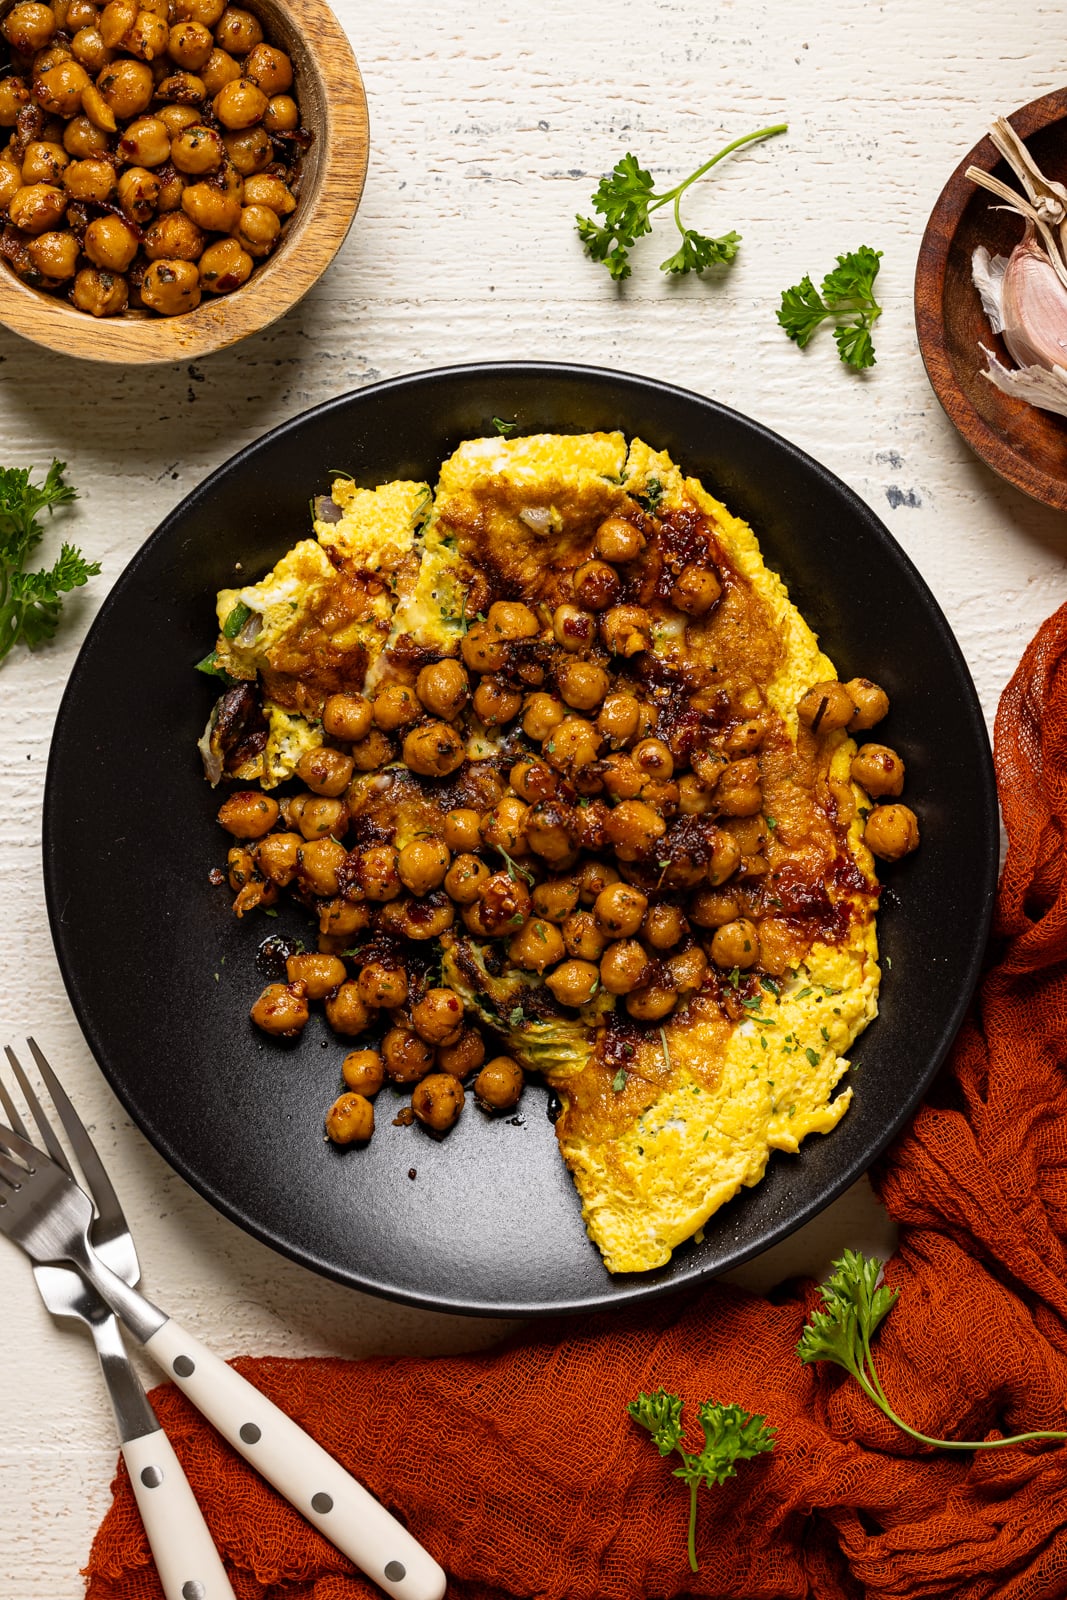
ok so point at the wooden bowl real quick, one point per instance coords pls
(1025, 446)
(334, 110)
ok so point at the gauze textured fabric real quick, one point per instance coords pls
(520, 1470)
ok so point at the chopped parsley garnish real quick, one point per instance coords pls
(812, 1055)
(618, 1082)
(505, 429)
(236, 620)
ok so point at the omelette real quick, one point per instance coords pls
(665, 1117)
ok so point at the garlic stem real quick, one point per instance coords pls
(1048, 197)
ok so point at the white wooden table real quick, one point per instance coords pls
(490, 127)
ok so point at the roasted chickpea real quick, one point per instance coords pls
(258, 230)
(503, 904)
(537, 945)
(687, 969)
(725, 857)
(407, 1056)
(496, 702)
(503, 827)
(735, 944)
(248, 814)
(224, 266)
(871, 703)
(500, 1083)
(218, 70)
(664, 926)
(825, 707)
(739, 792)
(138, 191)
(618, 718)
(126, 89)
(653, 758)
(626, 630)
(623, 966)
(28, 27)
(350, 1120)
(89, 50)
(340, 920)
(542, 715)
(318, 862)
(59, 90)
(211, 208)
(147, 39)
(173, 237)
(92, 179)
(434, 750)
(619, 910)
(574, 983)
(573, 628)
(582, 937)
(55, 255)
(438, 1101)
(269, 69)
(10, 184)
(241, 864)
(346, 1011)
(281, 1010)
(43, 162)
(482, 649)
(363, 1072)
(319, 974)
(383, 986)
(510, 619)
(282, 114)
(891, 832)
(249, 151)
(583, 685)
(596, 585)
(556, 898)
(347, 717)
(395, 707)
(238, 31)
(116, 20)
(462, 829)
(422, 865)
(183, 89)
(325, 771)
(438, 1016)
(171, 188)
(100, 293)
(619, 541)
(575, 743)
(712, 908)
(532, 780)
(171, 287)
(426, 918)
(74, 14)
(652, 1003)
(695, 590)
(633, 828)
(377, 872)
(464, 1056)
(372, 752)
(465, 879)
(879, 770)
(14, 94)
(745, 738)
(206, 11)
(146, 143)
(197, 150)
(277, 857)
(443, 688)
(190, 45)
(38, 208)
(594, 877)
(239, 104)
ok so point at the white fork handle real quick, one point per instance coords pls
(310, 1479)
(186, 1559)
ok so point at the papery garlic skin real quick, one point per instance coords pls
(1026, 303)
(1038, 386)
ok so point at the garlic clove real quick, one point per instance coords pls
(1033, 306)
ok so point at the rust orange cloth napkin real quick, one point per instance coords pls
(520, 1470)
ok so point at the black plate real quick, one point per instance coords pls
(161, 975)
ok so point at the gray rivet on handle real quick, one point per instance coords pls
(193, 1590)
(395, 1571)
(151, 1477)
(321, 1503)
(250, 1433)
(184, 1366)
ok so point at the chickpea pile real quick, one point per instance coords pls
(615, 844)
(154, 150)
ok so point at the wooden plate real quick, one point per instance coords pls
(334, 110)
(1025, 446)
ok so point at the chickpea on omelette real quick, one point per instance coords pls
(571, 790)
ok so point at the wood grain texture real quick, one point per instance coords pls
(1022, 444)
(492, 125)
(334, 110)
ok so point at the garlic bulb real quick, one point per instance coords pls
(1024, 295)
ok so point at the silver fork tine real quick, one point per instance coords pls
(11, 1111)
(44, 1127)
(110, 1216)
(10, 1170)
(15, 1145)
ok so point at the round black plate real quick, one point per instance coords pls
(161, 975)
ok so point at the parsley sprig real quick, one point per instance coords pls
(847, 297)
(30, 602)
(626, 198)
(730, 1435)
(854, 1305)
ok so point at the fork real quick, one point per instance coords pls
(50, 1216)
(185, 1555)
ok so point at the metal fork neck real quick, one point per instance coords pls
(140, 1316)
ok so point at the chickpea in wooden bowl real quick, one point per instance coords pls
(174, 174)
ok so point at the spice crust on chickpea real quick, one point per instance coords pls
(571, 790)
(150, 150)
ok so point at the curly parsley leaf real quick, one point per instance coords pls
(730, 1435)
(854, 1305)
(31, 602)
(847, 299)
(625, 199)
